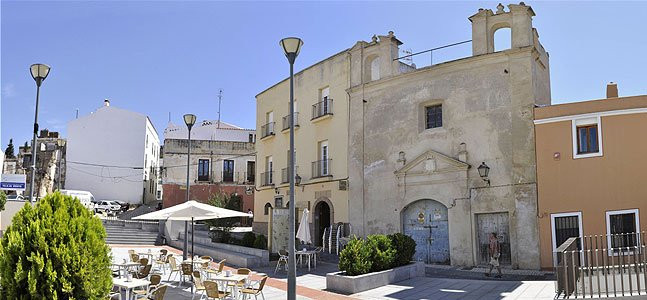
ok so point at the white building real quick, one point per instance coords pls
(114, 153)
(210, 130)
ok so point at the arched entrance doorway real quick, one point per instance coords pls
(427, 223)
(321, 221)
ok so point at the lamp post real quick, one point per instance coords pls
(39, 72)
(291, 47)
(189, 120)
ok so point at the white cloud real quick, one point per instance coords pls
(8, 90)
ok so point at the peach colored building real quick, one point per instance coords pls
(591, 169)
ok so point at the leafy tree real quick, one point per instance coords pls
(55, 250)
(233, 202)
(260, 242)
(9, 152)
(3, 200)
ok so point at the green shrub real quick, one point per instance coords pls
(405, 248)
(260, 242)
(382, 253)
(55, 250)
(3, 200)
(355, 259)
(248, 239)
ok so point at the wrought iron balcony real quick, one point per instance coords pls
(321, 168)
(286, 121)
(321, 109)
(267, 178)
(285, 176)
(267, 130)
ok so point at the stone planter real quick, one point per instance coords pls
(355, 284)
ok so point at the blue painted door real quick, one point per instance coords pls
(426, 222)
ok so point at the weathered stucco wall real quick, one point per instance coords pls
(487, 104)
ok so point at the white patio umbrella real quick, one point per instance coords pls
(190, 211)
(304, 228)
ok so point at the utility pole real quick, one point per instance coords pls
(219, 101)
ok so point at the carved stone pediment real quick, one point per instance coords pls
(431, 162)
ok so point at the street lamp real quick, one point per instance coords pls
(484, 170)
(39, 72)
(189, 120)
(291, 47)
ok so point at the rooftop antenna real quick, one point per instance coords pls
(77, 113)
(219, 101)
(169, 117)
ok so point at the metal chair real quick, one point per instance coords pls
(155, 280)
(283, 258)
(173, 268)
(212, 290)
(187, 271)
(255, 291)
(198, 285)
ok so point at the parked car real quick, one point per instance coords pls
(15, 198)
(110, 207)
(86, 198)
(124, 205)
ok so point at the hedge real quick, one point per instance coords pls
(376, 253)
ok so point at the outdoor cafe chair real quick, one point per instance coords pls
(221, 266)
(187, 271)
(173, 268)
(198, 285)
(206, 257)
(163, 262)
(143, 273)
(134, 257)
(255, 291)
(283, 259)
(155, 294)
(114, 293)
(212, 290)
(240, 284)
(155, 280)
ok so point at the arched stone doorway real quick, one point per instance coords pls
(427, 223)
(322, 219)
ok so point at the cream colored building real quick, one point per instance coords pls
(321, 145)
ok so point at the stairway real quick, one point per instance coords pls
(129, 236)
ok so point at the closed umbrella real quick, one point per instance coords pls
(304, 229)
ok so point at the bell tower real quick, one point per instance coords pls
(518, 18)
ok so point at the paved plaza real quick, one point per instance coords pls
(312, 284)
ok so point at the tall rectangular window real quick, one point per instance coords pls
(622, 229)
(227, 170)
(433, 116)
(203, 170)
(587, 139)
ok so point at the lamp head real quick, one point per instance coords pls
(39, 72)
(189, 120)
(291, 47)
(484, 170)
(297, 179)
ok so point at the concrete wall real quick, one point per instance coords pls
(10, 209)
(594, 185)
(330, 73)
(487, 103)
(110, 137)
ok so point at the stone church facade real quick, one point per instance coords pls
(418, 136)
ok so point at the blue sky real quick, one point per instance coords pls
(161, 57)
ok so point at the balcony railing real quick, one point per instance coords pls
(321, 109)
(285, 176)
(321, 168)
(286, 121)
(267, 130)
(601, 266)
(267, 178)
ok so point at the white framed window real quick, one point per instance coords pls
(587, 137)
(622, 226)
(564, 226)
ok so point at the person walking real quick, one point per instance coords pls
(494, 250)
